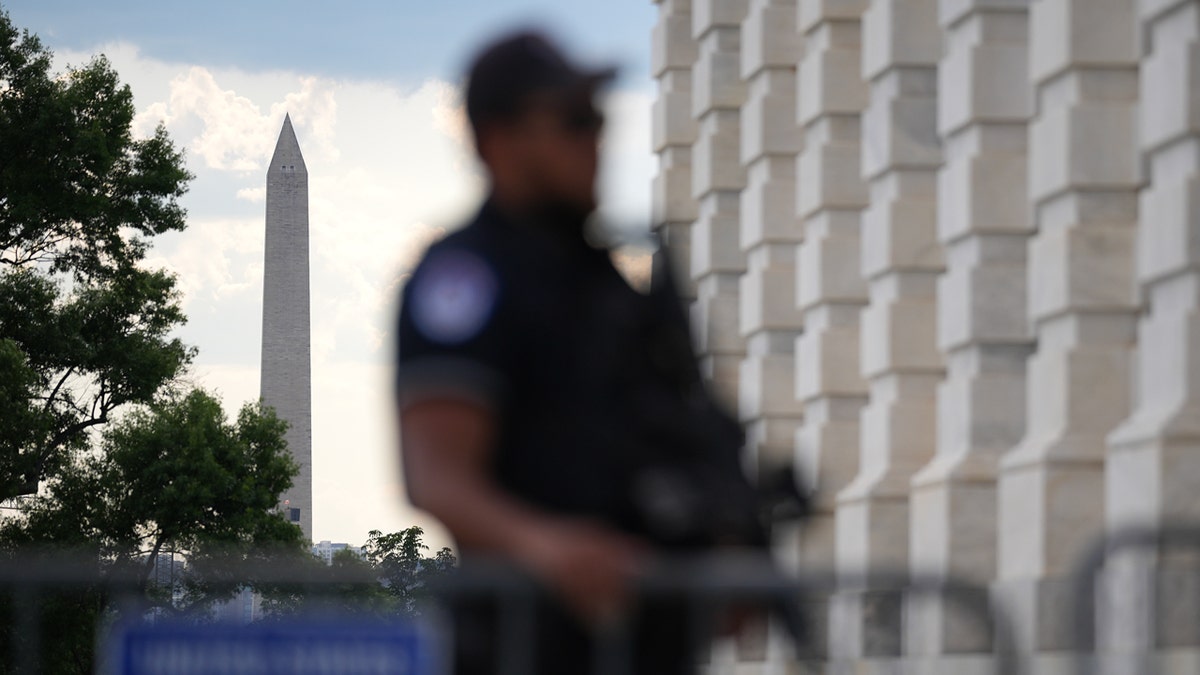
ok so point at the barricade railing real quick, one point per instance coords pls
(710, 583)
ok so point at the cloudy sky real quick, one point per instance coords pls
(372, 87)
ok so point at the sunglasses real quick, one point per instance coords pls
(583, 119)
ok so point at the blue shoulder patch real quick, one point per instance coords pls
(454, 296)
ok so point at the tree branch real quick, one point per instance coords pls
(30, 487)
(58, 386)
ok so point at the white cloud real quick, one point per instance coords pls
(214, 258)
(256, 195)
(236, 133)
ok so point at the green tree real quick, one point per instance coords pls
(85, 327)
(176, 476)
(404, 569)
(390, 578)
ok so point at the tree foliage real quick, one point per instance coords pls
(392, 577)
(404, 569)
(85, 326)
(174, 476)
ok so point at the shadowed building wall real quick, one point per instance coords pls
(989, 287)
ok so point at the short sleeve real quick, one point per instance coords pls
(453, 324)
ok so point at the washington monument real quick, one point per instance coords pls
(286, 350)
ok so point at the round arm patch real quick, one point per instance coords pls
(454, 296)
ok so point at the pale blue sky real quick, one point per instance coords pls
(399, 41)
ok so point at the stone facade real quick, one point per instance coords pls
(286, 339)
(946, 255)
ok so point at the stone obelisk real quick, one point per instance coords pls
(286, 347)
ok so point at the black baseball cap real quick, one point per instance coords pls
(509, 71)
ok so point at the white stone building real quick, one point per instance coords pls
(326, 549)
(946, 254)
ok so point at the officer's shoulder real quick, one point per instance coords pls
(471, 239)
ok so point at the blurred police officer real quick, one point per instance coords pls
(506, 394)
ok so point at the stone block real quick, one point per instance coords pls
(900, 33)
(866, 630)
(1035, 606)
(946, 631)
(1154, 9)
(899, 432)
(899, 126)
(827, 354)
(872, 531)
(811, 12)
(775, 342)
(1086, 267)
(902, 324)
(829, 76)
(710, 15)
(830, 176)
(715, 315)
(1068, 34)
(715, 237)
(982, 295)
(768, 123)
(716, 75)
(767, 204)
(984, 82)
(1168, 239)
(981, 412)
(1066, 156)
(769, 37)
(900, 235)
(671, 43)
(976, 189)
(768, 299)
(827, 450)
(1078, 388)
(1170, 77)
(951, 12)
(1049, 513)
(954, 531)
(671, 119)
(1158, 463)
(716, 164)
(827, 261)
(671, 190)
(766, 391)
(1167, 381)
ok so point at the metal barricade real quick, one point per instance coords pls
(710, 583)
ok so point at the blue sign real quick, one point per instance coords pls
(302, 647)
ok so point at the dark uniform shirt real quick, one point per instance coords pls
(533, 322)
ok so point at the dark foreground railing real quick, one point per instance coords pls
(709, 585)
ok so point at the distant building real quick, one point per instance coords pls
(326, 549)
